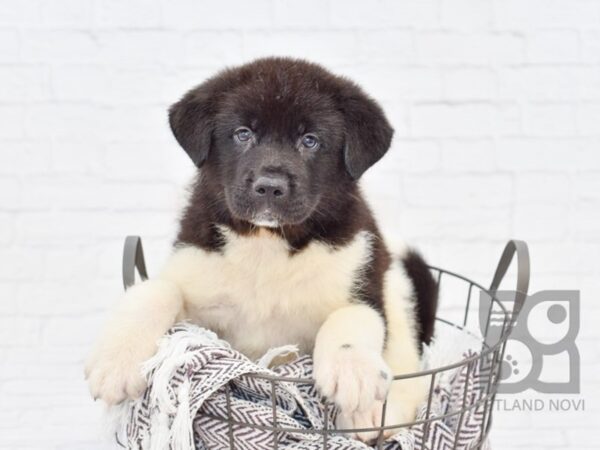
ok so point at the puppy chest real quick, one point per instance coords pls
(257, 295)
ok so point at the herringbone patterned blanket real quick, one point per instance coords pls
(186, 404)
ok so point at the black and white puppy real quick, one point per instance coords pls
(278, 246)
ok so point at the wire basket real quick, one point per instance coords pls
(490, 315)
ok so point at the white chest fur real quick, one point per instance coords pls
(257, 295)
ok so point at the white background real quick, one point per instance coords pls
(496, 106)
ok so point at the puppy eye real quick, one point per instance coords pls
(243, 134)
(310, 141)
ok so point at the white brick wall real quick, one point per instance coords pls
(496, 104)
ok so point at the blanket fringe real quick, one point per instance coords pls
(159, 433)
(278, 352)
(173, 353)
(182, 436)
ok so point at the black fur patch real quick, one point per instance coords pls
(426, 293)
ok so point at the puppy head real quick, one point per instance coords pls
(280, 137)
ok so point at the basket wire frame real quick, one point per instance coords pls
(489, 358)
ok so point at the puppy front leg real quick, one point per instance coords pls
(402, 355)
(349, 368)
(145, 313)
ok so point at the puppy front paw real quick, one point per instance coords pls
(394, 415)
(370, 418)
(353, 377)
(114, 372)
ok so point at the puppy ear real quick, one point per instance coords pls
(368, 132)
(191, 120)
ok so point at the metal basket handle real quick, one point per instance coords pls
(133, 258)
(523, 273)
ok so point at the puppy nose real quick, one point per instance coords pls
(271, 186)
